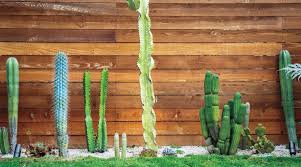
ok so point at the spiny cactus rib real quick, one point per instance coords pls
(244, 141)
(123, 146)
(12, 78)
(146, 64)
(102, 139)
(4, 143)
(90, 140)
(133, 4)
(235, 139)
(60, 102)
(116, 146)
(287, 96)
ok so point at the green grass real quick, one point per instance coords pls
(191, 161)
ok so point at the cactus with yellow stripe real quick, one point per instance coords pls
(146, 64)
(12, 79)
(223, 139)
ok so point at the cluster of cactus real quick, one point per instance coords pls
(4, 143)
(60, 102)
(12, 77)
(102, 139)
(123, 146)
(287, 96)
(224, 139)
(146, 64)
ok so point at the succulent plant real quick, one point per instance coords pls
(39, 150)
(116, 146)
(263, 145)
(244, 141)
(148, 153)
(61, 102)
(12, 78)
(4, 143)
(169, 152)
(146, 64)
(123, 146)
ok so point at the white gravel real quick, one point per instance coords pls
(280, 151)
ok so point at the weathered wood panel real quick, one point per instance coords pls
(238, 39)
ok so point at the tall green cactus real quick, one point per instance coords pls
(224, 139)
(90, 140)
(12, 77)
(102, 139)
(4, 143)
(60, 102)
(244, 141)
(146, 64)
(287, 96)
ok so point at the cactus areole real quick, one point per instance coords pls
(60, 102)
(12, 77)
(146, 64)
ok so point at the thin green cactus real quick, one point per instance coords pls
(12, 78)
(60, 102)
(287, 96)
(146, 64)
(4, 143)
(102, 139)
(123, 146)
(116, 146)
(90, 139)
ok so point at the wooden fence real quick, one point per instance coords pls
(238, 39)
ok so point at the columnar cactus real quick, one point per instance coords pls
(90, 140)
(12, 78)
(60, 102)
(116, 146)
(146, 64)
(244, 141)
(4, 143)
(287, 96)
(123, 146)
(102, 139)
(224, 139)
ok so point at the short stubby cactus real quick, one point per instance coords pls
(222, 139)
(116, 146)
(123, 145)
(60, 102)
(90, 140)
(146, 64)
(102, 139)
(287, 96)
(12, 78)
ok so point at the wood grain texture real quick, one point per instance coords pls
(237, 39)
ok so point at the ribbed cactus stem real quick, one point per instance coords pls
(146, 64)
(4, 143)
(245, 139)
(102, 139)
(287, 96)
(116, 146)
(60, 102)
(12, 78)
(123, 146)
(90, 140)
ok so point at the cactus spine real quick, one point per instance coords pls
(60, 102)
(123, 146)
(12, 77)
(102, 139)
(116, 146)
(4, 143)
(287, 96)
(90, 140)
(224, 139)
(244, 142)
(146, 64)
